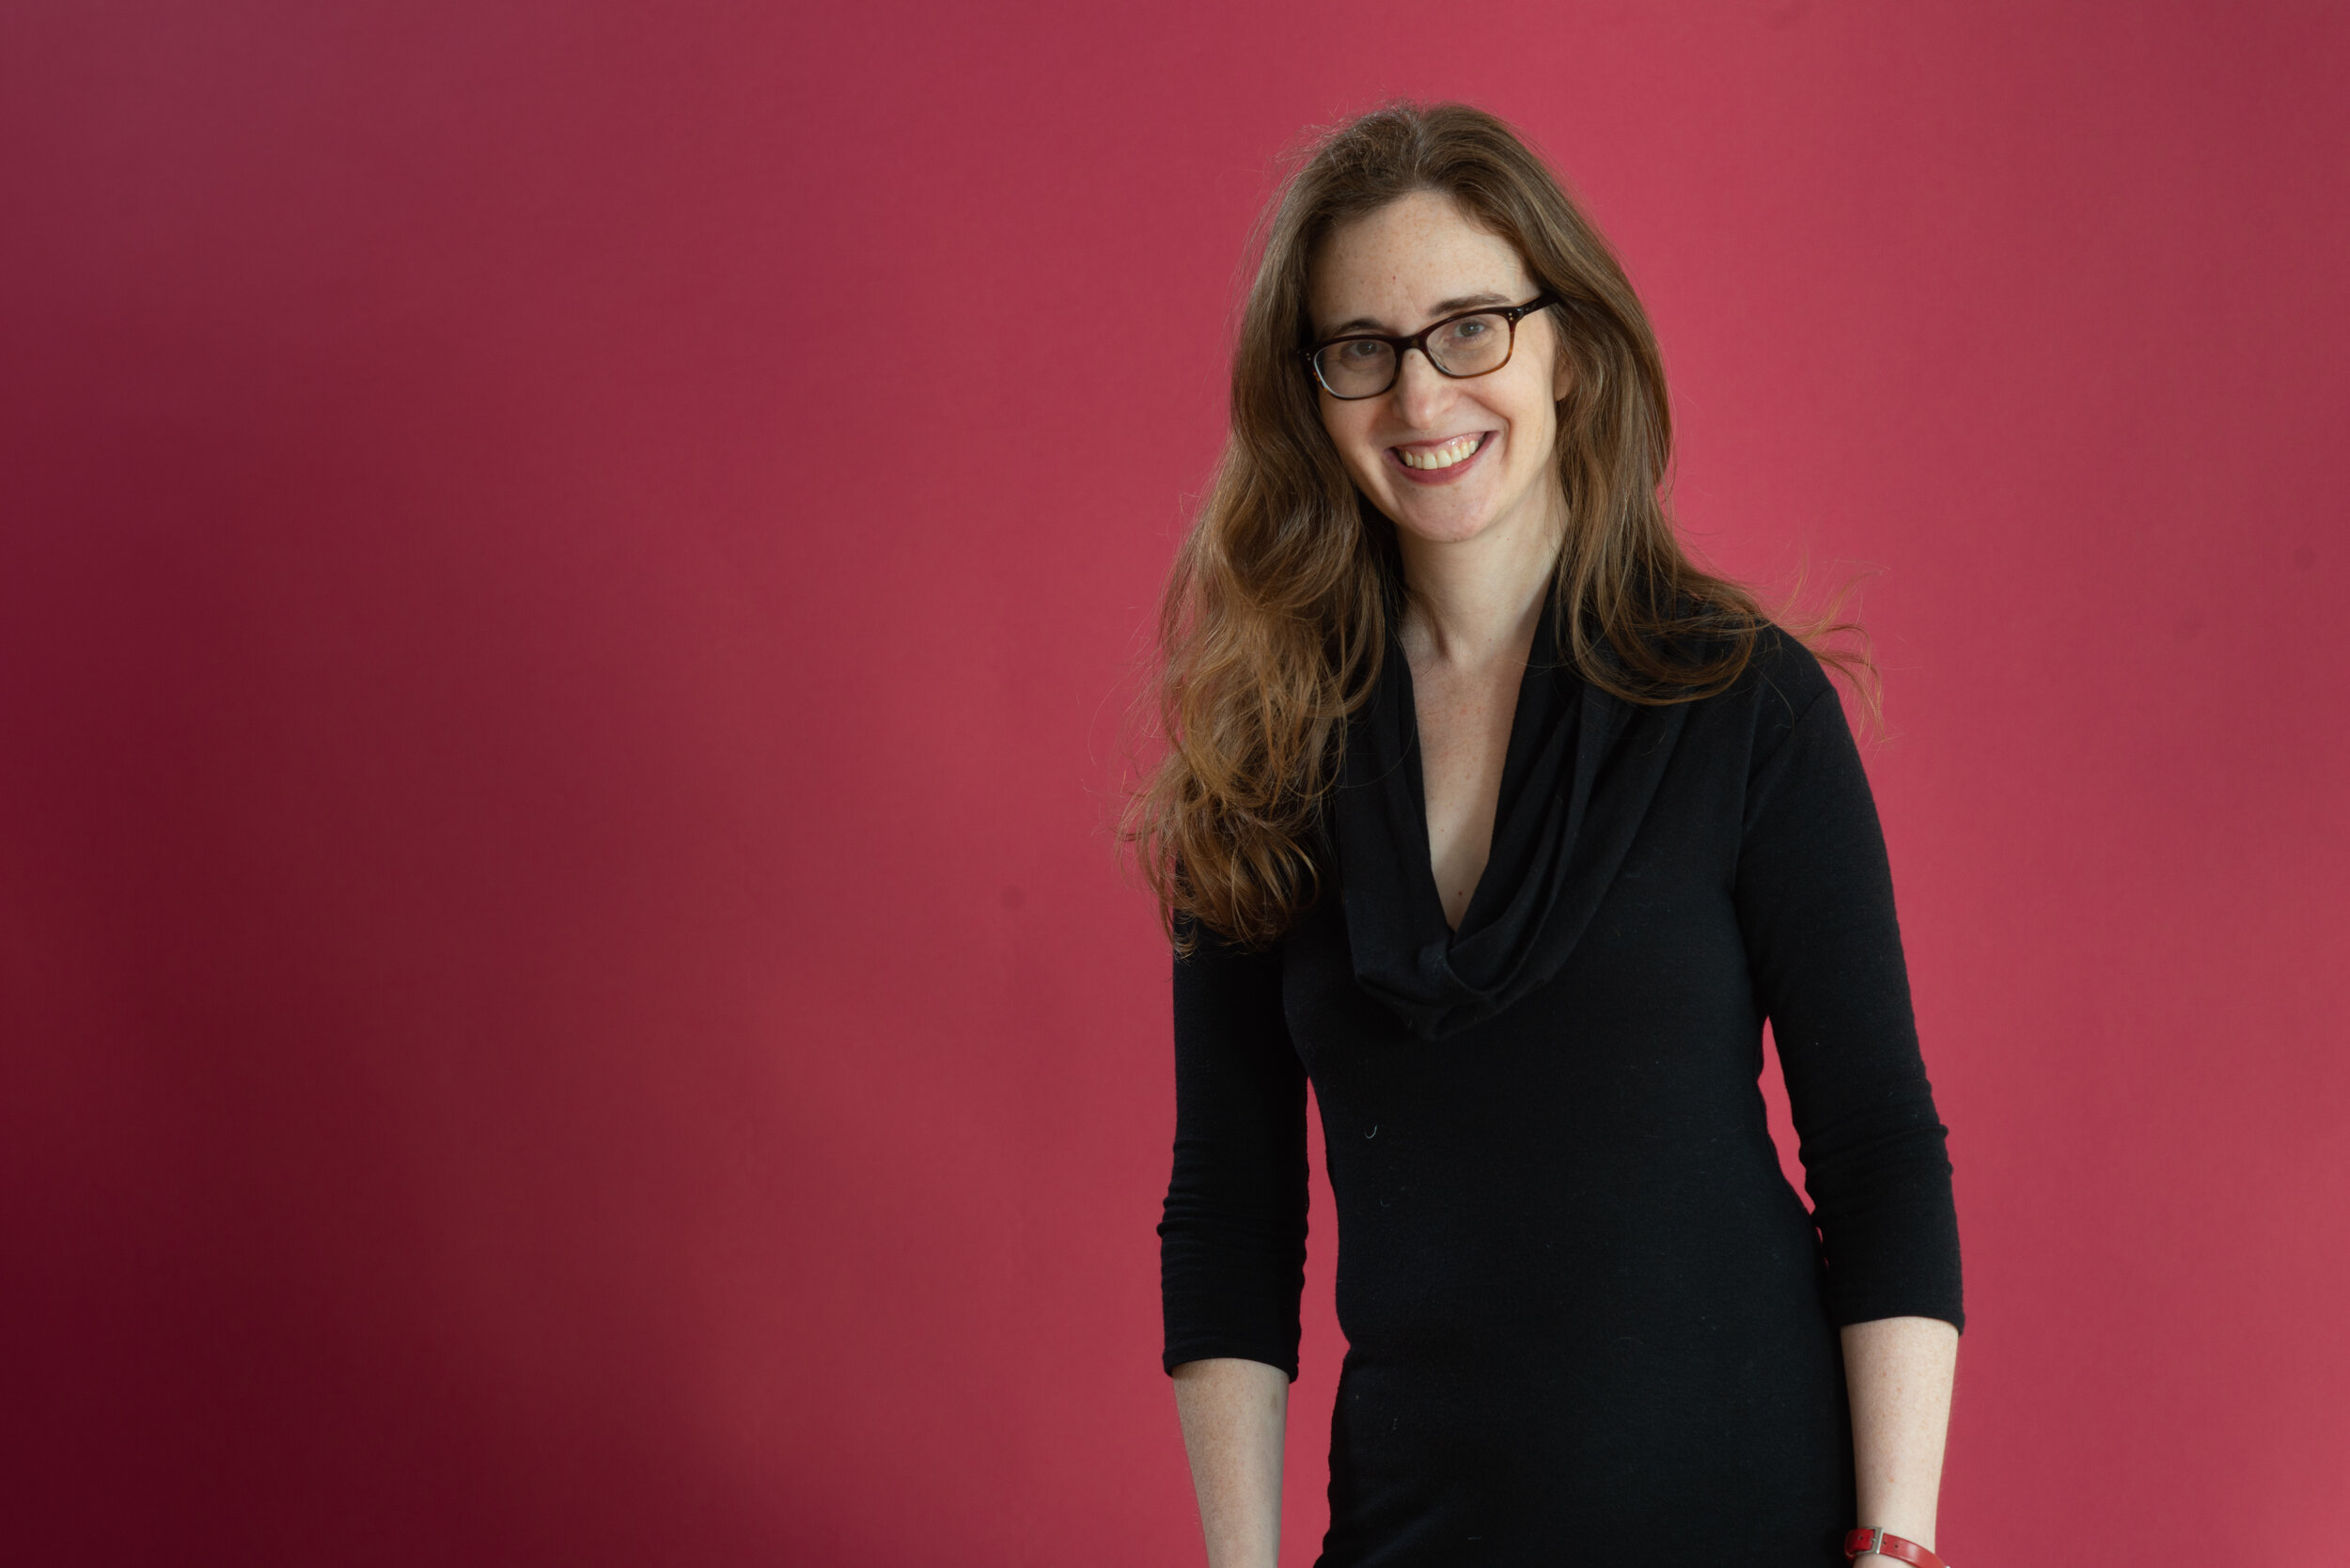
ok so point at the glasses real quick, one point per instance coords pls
(1474, 343)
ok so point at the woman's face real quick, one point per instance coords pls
(1446, 459)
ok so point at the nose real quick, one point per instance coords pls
(1419, 389)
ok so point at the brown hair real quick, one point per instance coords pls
(1276, 616)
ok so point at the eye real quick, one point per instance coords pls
(1361, 351)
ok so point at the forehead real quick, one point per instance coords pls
(1394, 265)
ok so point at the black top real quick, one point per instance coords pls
(1588, 1320)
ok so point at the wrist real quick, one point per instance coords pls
(1889, 1546)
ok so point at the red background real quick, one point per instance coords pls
(568, 579)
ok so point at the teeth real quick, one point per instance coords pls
(1445, 456)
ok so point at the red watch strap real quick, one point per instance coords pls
(1876, 1541)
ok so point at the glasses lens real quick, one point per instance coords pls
(1360, 369)
(1472, 345)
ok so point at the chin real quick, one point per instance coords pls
(1447, 526)
(1443, 533)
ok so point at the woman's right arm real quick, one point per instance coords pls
(1235, 1412)
(1232, 1241)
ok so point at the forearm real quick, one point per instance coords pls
(1899, 1370)
(1234, 1414)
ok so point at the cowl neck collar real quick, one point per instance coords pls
(1577, 780)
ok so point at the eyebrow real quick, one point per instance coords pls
(1444, 308)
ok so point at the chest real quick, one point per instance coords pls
(1657, 965)
(1613, 827)
(1464, 721)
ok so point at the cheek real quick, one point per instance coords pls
(1536, 424)
(1352, 437)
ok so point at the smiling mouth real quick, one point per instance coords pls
(1444, 454)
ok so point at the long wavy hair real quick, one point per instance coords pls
(1276, 615)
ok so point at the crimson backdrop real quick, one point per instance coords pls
(569, 575)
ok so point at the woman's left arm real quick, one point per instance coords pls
(1815, 898)
(1899, 1370)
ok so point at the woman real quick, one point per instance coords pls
(1489, 813)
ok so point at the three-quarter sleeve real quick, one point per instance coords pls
(1815, 904)
(1233, 1240)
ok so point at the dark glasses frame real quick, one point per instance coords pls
(1510, 313)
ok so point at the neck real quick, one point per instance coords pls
(1472, 601)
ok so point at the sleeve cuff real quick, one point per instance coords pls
(1206, 1349)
